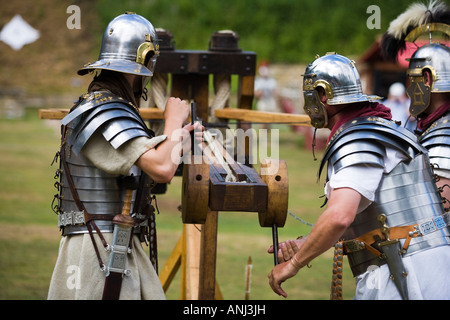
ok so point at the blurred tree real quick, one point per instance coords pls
(278, 30)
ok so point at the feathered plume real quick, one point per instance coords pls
(417, 14)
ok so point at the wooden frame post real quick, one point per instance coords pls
(190, 72)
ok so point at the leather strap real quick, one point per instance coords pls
(149, 235)
(89, 218)
(113, 286)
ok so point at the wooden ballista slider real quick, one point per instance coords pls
(206, 186)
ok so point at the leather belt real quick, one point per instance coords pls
(74, 222)
(74, 218)
(356, 248)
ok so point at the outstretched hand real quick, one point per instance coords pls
(288, 248)
(279, 274)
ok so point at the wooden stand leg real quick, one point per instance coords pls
(185, 255)
(192, 261)
(172, 265)
(195, 253)
(208, 255)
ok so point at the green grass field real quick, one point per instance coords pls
(29, 236)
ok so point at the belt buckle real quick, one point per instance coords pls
(71, 218)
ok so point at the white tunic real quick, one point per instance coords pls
(427, 270)
(77, 273)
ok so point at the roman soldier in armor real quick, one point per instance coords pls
(428, 80)
(109, 161)
(383, 208)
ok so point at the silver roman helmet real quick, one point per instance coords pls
(421, 20)
(129, 45)
(434, 57)
(340, 79)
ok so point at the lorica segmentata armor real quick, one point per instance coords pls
(437, 140)
(100, 193)
(407, 197)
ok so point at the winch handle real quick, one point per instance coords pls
(275, 243)
(193, 119)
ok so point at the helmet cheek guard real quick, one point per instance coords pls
(147, 53)
(418, 92)
(435, 58)
(314, 107)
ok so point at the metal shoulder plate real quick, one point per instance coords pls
(118, 120)
(364, 140)
(437, 140)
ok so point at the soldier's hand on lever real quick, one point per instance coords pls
(288, 248)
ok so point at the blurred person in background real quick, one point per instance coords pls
(398, 102)
(265, 90)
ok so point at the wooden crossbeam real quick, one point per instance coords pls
(58, 114)
(266, 117)
(227, 113)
